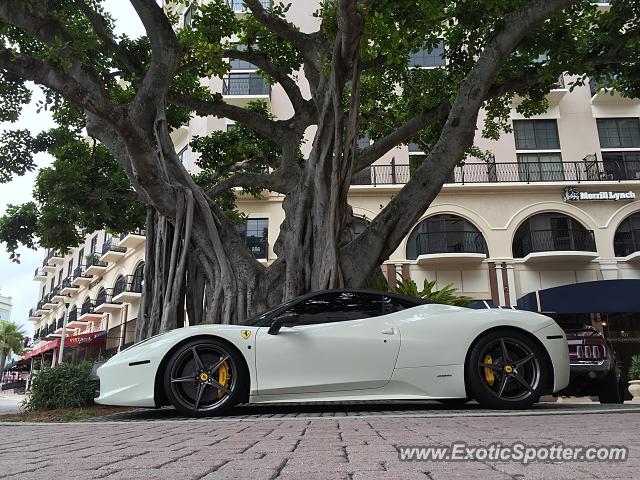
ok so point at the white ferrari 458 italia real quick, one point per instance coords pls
(345, 345)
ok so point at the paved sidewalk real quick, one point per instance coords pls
(10, 403)
(359, 448)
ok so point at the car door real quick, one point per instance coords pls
(343, 341)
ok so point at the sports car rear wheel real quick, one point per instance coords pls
(204, 378)
(506, 369)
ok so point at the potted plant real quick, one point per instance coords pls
(634, 377)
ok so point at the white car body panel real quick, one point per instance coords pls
(417, 353)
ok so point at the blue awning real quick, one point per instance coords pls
(602, 296)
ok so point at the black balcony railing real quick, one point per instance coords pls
(73, 315)
(239, 5)
(40, 305)
(509, 172)
(60, 323)
(554, 240)
(78, 272)
(626, 243)
(87, 307)
(110, 245)
(245, 84)
(66, 283)
(129, 283)
(141, 232)
(40, 272)
(450, 242)
(32, 311)
(95, 261)
(104, 296)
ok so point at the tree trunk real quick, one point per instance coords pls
(3, 358)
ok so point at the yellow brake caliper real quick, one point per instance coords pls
(488, 373)
(223, 377)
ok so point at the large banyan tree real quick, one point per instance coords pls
(116, 101)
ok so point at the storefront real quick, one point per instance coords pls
(611, 306)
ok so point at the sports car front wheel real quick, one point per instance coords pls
(204, 378)
(506, 369)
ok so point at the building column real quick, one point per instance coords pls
(493, 283)
(609, 269)
(511, 286)
(406, 273)
(391, 276)
(500, 278)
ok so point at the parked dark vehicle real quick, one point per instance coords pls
(594, 369)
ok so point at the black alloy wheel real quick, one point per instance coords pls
(506, 370)
(204, 378)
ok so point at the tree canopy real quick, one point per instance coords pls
(116, 101)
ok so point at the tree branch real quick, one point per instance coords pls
(391, 225)
(399, 136)
(291, 88)
(276, 131)
(101, 29)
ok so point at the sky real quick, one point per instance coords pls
(16, 280)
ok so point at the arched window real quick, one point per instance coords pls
(101, 297)
(120, 285)
(86, 306)
(138, 277)
(627, 238)
(445, 234)
(552, 232)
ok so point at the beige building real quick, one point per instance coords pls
(5, 308)
(557, 205)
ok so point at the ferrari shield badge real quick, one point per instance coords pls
(245, 334)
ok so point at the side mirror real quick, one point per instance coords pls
(285, 320)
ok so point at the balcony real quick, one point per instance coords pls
(34, 314)
(450, 247)
(112, 252)
(74, 319)
(55, 258)
(127, 289)
(48, 303)
(105, 302)
(79, 278)
(239, 7)
(40, 309)
(556, 245)
(40, 275)
(241, 88)
(628, 246)
(95, 266)
(88, 312)
(68, 288)
(47, 267)
(57, 296)
(512, 172)
(132, 239)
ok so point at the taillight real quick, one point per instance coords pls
(590, 352)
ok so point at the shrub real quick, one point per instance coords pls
(66, 386)
(447, 295)
(634, 369)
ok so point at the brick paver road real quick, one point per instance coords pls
(358, 448)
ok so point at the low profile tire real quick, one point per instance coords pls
(204, 377)
(453, 402)
(506, 369)
(611, 391)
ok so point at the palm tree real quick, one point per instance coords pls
(11, 341)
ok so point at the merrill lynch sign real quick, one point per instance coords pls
(573, 195)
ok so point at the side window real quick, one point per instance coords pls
(340, 307)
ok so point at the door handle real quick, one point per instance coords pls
(389, 331)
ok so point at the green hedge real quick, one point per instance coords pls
(66, 386)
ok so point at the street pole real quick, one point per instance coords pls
(64, 329)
